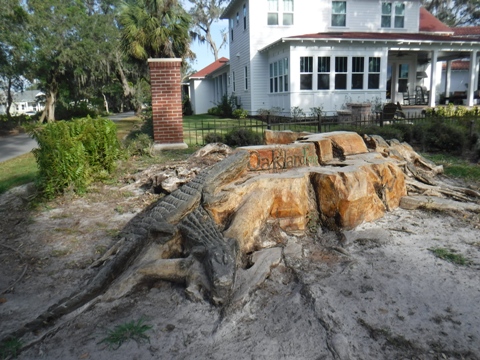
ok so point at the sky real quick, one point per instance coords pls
(204, 55)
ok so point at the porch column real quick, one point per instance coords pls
(472, 78)
(448, 78)
(166, 88)
(433, 79)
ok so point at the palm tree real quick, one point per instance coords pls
(155, 29)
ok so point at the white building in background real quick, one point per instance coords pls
(324, 53)
(27, 102)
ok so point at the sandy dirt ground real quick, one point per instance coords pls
(381, 293)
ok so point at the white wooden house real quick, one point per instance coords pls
(26, 102)
(208, 85)
(323, 53)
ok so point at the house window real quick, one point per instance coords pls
(395, 11)
(374, 73)
(238, 18)
(244, 16)
(403, 77)
(358, 69)
(272, 12)
(275, 13)
(287, 12)
(341, 67)
(279, 76)
(233, 81)
(306, 72)
(231, 29)
(339, 13)
(323, 77)
(246, 77)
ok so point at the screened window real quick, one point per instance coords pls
(341, 68)
(279, 76)
(244, 16)
(339, 13)
(233, 82)
(306, 72)
(393, 11)
(358, 70)
(246, 77)
(374, 73)
(403, 73)
(231, 29)
(323, 76)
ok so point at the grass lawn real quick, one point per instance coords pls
(18, 171)
(196, 127)
(457, 167)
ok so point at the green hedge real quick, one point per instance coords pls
(71, 154)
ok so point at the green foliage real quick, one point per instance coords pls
(73, 154)
(186, 106)
(78, 110)
(10, 349)
(14, 122)
(297, 112)
(215, 111)
(242, 137)
(444, 137)
(226, 105)
(239, 114)
(450, 256)
(214, 138)
(138, 143)
(155, 29)
(129, 331)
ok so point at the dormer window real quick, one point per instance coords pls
(280, 12)
(393, 15)
(339, 13)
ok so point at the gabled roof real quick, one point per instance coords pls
(27, 96)
(210, 68)
(430, 24)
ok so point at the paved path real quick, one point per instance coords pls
(16, 145)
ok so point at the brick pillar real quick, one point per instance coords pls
(166, 87)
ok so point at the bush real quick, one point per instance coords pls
(214, 138)
(214, 111)
(242, 137)
(186, 106)
(239, 114)
(139, 143)
(72, 154)
(79, 110)
(443, 137)
(14, 122)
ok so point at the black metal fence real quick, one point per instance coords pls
(200, 131)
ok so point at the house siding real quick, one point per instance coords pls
(240, 55)
(202, 91)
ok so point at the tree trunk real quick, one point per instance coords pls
(9, 98)
(105, 102)
(48, 114)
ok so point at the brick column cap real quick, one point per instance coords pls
(151, 60)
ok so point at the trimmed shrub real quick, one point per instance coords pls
(72, 154)
(214, 111)
(239, 114)
(443, 137)
(186, 106)
(242, 137)
(213, 138)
